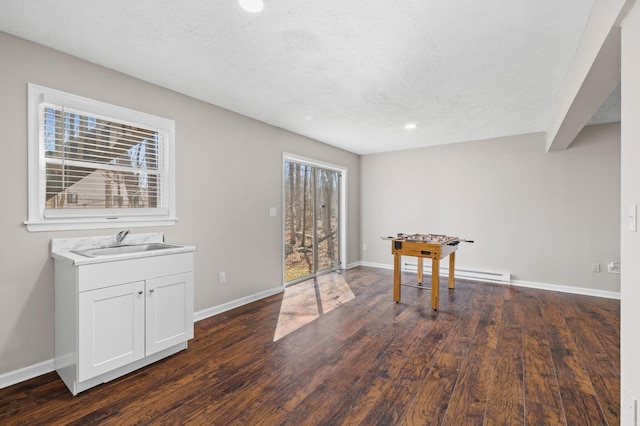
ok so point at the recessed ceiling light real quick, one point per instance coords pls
(410, 126)
(253, 6)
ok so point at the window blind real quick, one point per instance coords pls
(94, 162)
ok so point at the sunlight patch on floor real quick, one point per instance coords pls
(306, 301)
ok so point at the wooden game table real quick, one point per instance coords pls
(430, 246)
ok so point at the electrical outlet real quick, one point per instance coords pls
(595, 267)
(613, 268)
(221, 277)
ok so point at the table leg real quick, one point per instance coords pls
(420, 269)
(452, 268)
(435, 283)
(396, 277)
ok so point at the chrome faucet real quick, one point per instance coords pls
(121, 236)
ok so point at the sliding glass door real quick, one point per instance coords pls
(312, 221)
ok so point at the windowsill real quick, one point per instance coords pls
(95, 223)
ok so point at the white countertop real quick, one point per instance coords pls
(61, 248)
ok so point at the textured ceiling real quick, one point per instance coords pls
(347, 73)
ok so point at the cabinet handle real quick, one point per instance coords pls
(150, 290)
(140, 292)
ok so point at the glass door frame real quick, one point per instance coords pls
(342, 226)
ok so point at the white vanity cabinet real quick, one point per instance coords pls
(115, 316)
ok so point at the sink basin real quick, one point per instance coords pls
(125, 249)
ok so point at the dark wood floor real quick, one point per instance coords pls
(345, 353)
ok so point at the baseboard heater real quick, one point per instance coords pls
(465, 274)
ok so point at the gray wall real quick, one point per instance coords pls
(544, 217)
(228, 174)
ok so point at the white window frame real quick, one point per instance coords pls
(41, 219)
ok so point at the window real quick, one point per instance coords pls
(314, 208)
(95, 165)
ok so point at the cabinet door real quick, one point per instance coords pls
(111, 328)
(169, 311)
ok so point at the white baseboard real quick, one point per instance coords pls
(209, 312)
(26, 373)
(568, 289)
(372, 265)
(518, 283)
